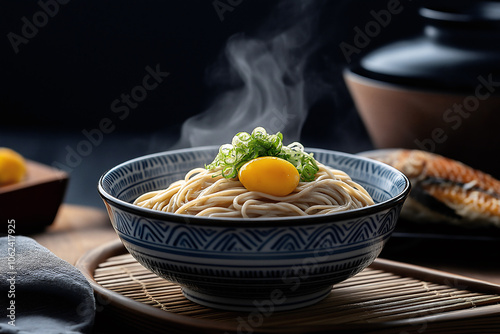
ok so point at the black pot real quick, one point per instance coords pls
(459, 42)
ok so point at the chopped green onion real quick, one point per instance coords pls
(245, 147)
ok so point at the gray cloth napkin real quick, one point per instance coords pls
(39, 292)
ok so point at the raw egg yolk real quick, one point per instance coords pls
(270, 175)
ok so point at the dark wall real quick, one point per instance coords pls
(84, 54)
(90, 52)
(69, 70)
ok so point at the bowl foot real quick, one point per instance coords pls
(277, 301)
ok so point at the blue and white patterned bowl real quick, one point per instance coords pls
(248, 264)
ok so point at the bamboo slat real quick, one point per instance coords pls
(373, 296)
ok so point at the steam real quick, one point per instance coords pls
(272, 91)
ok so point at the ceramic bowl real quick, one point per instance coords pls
(245, 264)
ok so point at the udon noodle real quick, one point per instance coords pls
(206, 193)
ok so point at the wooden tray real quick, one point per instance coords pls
(43, 187)
(387, 297)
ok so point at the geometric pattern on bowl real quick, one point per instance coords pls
(241, 264)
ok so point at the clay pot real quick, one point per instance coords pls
(439, 91)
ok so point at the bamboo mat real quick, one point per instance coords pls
(375, 300)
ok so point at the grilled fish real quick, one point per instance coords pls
(445, 190)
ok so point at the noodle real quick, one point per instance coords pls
(206, 193)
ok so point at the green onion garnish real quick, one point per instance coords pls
(245, 147)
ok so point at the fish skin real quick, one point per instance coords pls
(473, 196)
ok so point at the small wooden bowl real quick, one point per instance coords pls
(33, 203)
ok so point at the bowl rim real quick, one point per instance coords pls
(252, 222)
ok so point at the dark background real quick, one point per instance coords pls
(62, 82)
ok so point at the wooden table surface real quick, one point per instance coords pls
(76, 230)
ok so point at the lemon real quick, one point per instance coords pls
(12, 166)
